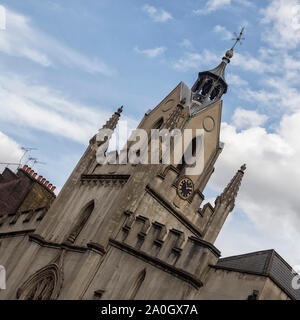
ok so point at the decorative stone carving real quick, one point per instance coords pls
(168, 105)
(175, 118)
(45, 284)
(208, 124)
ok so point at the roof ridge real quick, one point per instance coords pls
(239, 256)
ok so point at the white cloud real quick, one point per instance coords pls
(22, 39)
(213, 5)
(283, 20)
(239, 236)
(243, 118)
(186, 43)
(226, 35)
(157, 15)
(25, 105)
(236, 80)
(253, 64)
(193, 60)
(10, 152)
(151, 53)
(260, 64)
(276, 96)
(269, 194)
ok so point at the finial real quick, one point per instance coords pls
(120, 110)
(238, 38)
(243, 167)
(211, 84)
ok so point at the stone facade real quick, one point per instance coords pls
(123, 232)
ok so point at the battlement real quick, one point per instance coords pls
(153, 242)
(22, 222)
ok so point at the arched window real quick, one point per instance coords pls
(137, 284)
(83, 218)
(42, 290)
(183, 163)
(45, 284)
(158, 124)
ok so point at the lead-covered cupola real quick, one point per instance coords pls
(211, 84)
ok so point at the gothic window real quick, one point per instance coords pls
(43, 285)
(42, 290)
(137, 284)
(183, 163)
(83, 218)
(158, 124)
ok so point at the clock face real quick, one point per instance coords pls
(185, 188)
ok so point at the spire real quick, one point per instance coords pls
(211, 85)
(111, 123)
(227, 197)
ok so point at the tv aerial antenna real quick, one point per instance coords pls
(26, 150)
(35, 161)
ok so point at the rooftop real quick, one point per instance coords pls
(266, 263)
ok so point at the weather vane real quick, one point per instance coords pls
(238, 38)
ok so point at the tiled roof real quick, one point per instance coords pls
(268, 263)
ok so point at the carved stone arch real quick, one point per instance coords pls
(84, 215)
(45, 284)
(136, 285)
(158, 124)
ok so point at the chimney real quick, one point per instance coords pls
(43, 180)
(53, 188)
(34, 175)
(50, 186)
(31, 172)
(28, 169)
(40, 178)
(25, 167)
(46, 183)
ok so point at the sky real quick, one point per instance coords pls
(66, 66)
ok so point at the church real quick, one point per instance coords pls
(135, 231)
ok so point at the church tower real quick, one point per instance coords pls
(133, 230)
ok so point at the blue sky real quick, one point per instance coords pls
(65, 66)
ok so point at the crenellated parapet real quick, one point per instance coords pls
(168, 249)
(22, 222)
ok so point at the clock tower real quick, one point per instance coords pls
(134, 230)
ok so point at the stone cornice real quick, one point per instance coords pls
(16, 233)
(66, 245)
(120, 177)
